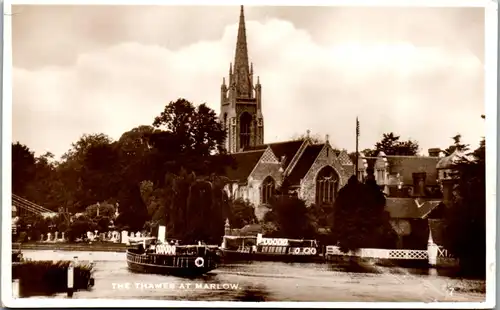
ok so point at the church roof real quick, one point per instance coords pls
(305, 162)
(244, 163)
(409, 208)
(280, 149)
(407, 165)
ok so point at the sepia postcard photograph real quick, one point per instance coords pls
(249, 154)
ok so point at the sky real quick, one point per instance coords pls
(417, 72)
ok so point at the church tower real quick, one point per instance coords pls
(241, 106)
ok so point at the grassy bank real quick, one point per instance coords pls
(88, 247)
(48, 277)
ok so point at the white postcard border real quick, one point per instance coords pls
(491, 35)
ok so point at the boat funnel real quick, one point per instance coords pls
(161, 233)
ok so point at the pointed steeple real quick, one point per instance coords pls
(241, 67)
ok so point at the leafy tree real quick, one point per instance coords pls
(34, 224)
(23, 168)
(315, 139)
(391, 145)
(466, 218)
(321, 216)
(79, 227)
(80, 178)
(369, 153)
(290, 215)
(457, 145)
(186, 138)
(133, 213)
(99, 210)
(241, 213)
(196, 207)
(360, 220)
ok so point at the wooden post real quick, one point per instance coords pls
(71, 276)
(16, 287)
(357, 151)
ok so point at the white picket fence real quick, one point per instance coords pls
(380, 253)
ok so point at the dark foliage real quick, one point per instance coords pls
(360, 220)
(391, 145)
(466, 217)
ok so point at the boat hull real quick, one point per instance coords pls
(181, 266)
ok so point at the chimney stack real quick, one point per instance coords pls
(434, 152)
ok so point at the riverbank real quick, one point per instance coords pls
(76, 247)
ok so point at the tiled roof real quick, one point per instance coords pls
(305, 162)
(407, 165)
(408, 208)
(250, 230)
(452, 160)
(244, 163)
(287, 149)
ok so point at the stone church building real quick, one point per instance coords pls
(314, 171)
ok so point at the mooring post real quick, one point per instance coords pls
(91, 279)
(432, 250)
(16, 288)
(71, 278)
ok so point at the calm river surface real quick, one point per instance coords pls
(269, 281)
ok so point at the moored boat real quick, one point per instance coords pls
(150, 255)
(258, 248)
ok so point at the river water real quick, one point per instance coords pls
(270, 281)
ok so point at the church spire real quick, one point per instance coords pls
(241, 67)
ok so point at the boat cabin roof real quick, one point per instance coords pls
(255, 237)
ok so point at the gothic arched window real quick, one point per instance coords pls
(224, 124)
(268, 190)
(245, 129)
(326, 186)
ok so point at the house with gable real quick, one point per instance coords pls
(314, 172)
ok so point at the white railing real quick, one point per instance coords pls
(380, 253)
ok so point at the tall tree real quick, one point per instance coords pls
(186, 136)
(466, 218)
(457, 145)
(391, 145)
(360, 220)
(291, 218)
(23, 168)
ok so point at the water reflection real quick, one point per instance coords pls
(274, 281)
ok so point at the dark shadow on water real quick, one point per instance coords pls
(253, 294)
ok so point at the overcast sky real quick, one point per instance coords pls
(418, 72)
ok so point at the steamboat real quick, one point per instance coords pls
(258, 248)
(154, 256)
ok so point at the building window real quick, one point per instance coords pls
(326, 186)
(245, 129)
(268, 190)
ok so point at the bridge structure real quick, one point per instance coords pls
(22, 206)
